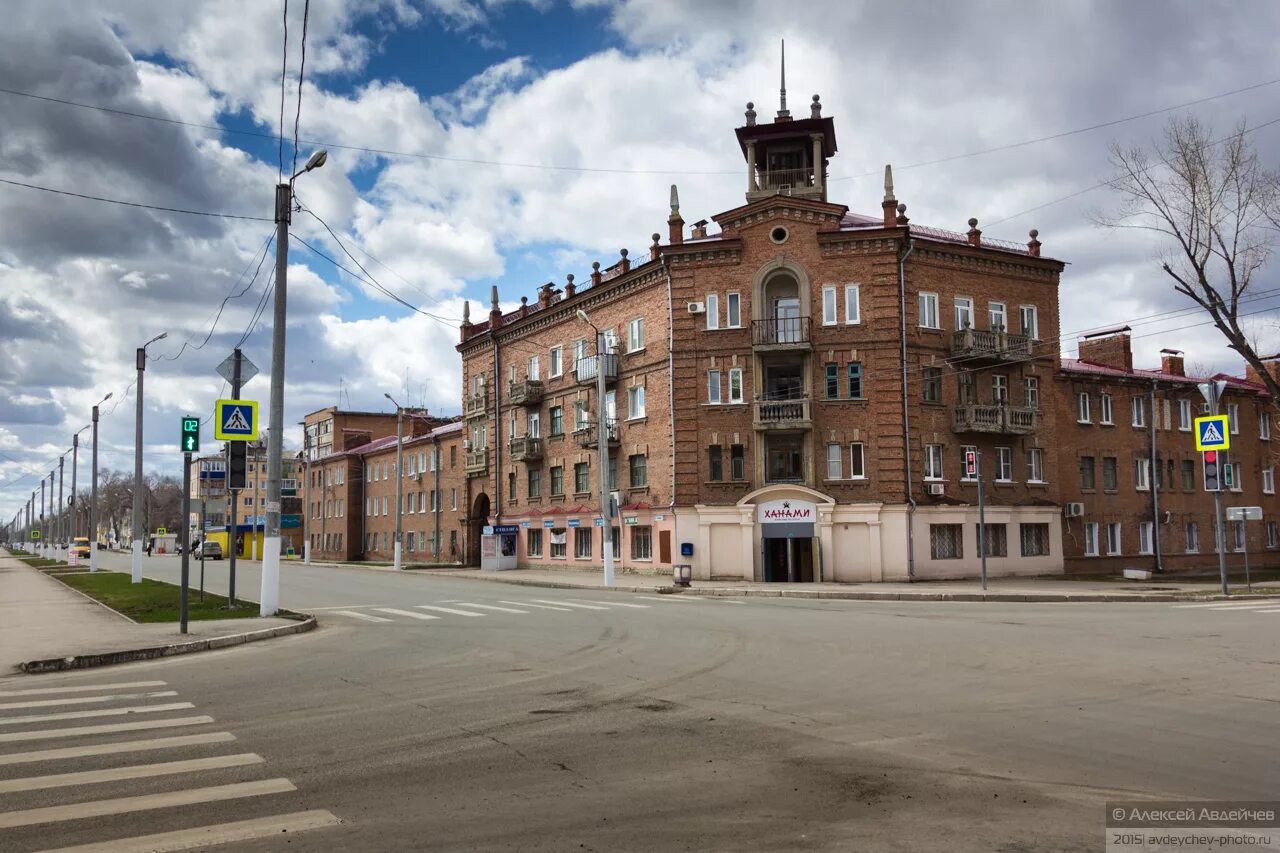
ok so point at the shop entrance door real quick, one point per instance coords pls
(787, 560)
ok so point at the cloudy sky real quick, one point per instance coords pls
(520, 141)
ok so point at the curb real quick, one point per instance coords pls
(306, 622)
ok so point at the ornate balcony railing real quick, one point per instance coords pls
(780, 332)
(996, 418)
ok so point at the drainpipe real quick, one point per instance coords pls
(1153, 478)
(906, 414)
(435, 451)
(497, 430)
(671, 390)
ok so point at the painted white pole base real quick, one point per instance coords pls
(397, 557)
(270, 593)
(93, 557)
(306, 553)
(137, 561)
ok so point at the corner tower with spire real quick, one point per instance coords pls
(787, 156)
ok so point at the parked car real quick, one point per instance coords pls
(209, 550)
(80, 547)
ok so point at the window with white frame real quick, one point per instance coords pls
(1184, 415)
(964, 313)
(556, 367)
(635, 402)
(533, 426)
(933, 461)
(533, 543)
(852, 304)
(635, 334)
(641, 542)
(1004, 464)
(1142, 474)
(713, 310)
(1144, 537)
(535, 367)
(997, 316)
(559, 543)
(1269, 481)
(929, 311)
(1030, 321)
(1031, 392)
(857, 462)
(579, 415)
(965, 450)
(1035, 465)
(1104, 409)
(582, 537)
(1233, 417)
(1273, 537)
(579, 352)
(713, 386)
(1000, 389)
(829, 306)
(1191, 531)
(1113, 538)
(1083, 413)
(735, 385)
(1138, 406)
(1091, 539)
(835, 461)
(733, 310)
(1264, 426)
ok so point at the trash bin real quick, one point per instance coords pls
(682, 574)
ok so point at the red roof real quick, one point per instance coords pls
(1076, 365)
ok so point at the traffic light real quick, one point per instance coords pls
(1228, 475)
(1212, 482)
(190, 435)
(971, 463)
(237, 464)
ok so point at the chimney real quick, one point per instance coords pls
(1171, 362)
(1110, 349)
(699, 229)
(890, 203)
(675, 223)
(465, 329)
(1033, 245)
(570, 288)
(546, 294)
(975, 236)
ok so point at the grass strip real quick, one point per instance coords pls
(153, 601)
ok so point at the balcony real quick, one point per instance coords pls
(793, 182)
(476, 405)
(999, 418)
(780, 333)
(586, 438)
(991, 346)
(477, 462)
(783, 414)
(527, 392)
(526, 449)
(585, 369)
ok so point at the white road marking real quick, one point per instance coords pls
(666, 598)
(571, 604)
(145, 802)
(84, 700)
(448, 610)
(113, 748)
(207, 836)
(1257, 606)
(616, 604)
(408, 613)
(100, 712)
(365, 616)
(539, 606)
(492, 607)
(1253, 602)
(84, 688)
(50, 734)
(1269, 610)
(133, 771)
(345, 606)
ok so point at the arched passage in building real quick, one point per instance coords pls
(479, 518)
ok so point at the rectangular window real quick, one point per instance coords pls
(635, 334)
(1272, 535)
(1087, 473)
(713, 311)
(1091, 539)
(933, 461)
(933, 384)
(1109, 474)
(558, 543)
(735, 385)
(852, 304)
(639, 470)
(1142, 474)
(579, 352)
(929, 311)
(1004, 464)
(1031, 392)
(1083, 415)
(828, 306)
(996, 541)
(535, 483)
(1268, 481)
(579, 415)
(1030, 321)
(1184, 415)
(511, 486)
(1000, 389)
(946, 541)
(453, 499)
(737, 463)
(1192, 533)
(535, 367)
(556, 367)
(1264, 426)
(533, 543)
(1233, 417)
(964, 313)
(835, 461)
(582, 537)
(855, 380)
(641, 543)
(557, 480)
(965, 449)
(997, 316)
(581, 477)
(533, 425)
(713, 386)
(1035, 465)
(1144, 537)
(1139, 407)
(715, 463)
(557, 420)
(1035, 539)
(831, 383)
(733, 310)
(1188, 475)
(857, 462)
(965, 387)
(1113, 538)
(635, 402)
(1104, 416)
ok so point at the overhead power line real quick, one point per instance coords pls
(302, 67)
(284, 73)
(135, 203)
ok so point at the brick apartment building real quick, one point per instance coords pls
(350, 486)
(208, 482)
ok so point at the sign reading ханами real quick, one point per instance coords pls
(787, 511)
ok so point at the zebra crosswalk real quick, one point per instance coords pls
(66, 779)
(1248, 606)
(456, 610)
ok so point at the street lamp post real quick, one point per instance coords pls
(269, 598)
(137, 461)
(93, 494)
(396, 546)
(602, 448)
(60, 520)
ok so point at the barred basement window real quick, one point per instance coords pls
(1035, 540)
(997, 539)
(946, 541)
(642, 543)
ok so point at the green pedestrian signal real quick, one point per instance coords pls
(190, 435)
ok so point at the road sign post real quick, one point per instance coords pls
(973, 468)
(186, 538)
(237, 370)
(1212, 434)
(1240, 515)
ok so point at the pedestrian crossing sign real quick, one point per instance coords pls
(1212, 433)
(235, 420)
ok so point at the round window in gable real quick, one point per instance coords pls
(778, 235)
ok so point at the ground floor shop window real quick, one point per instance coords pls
(559, 543)
(641, 543)
(533, 543)
(946, 541)
(582, 543)
(617, 543)
(1035, 540)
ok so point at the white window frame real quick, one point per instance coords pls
(1138, 411)
(1035, 465)
(1091, 539)
(1268, 481)
(713, 311)
(635, 335)
(733, 310)
(1142, 475)
(556, 366)
(933, 462)
(735, 378)
(535, 367)
(1264, 426)
(1184, 415)
(1084, 412)
(1146, 536)
(1106, 410)
(857, 453)
(852, 304)
(964, 311)
(928, 303)
(1115, 539)
(1004, 464)
(830, 305)
(635, 402)
(997, 316)
(1272, 534)
(1031, 392)
(533, 426)
(1030, 329)
(1233, 417)
(837, 450)
(715, 388)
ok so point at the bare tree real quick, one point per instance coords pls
(1219, 208)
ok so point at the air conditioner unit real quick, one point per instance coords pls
(697, 308)
(1074, 510)
(936, 489)
(615, 501)
(466, 444)
(1204, 409)
(417, 475)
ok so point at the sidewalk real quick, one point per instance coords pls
(42, 618)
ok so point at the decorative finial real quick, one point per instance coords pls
(973, 222)
(466, 313)
(675, 201)
(751, 114)
(888, 182)
(524, 300)
(622, 252)
(493, 298)
(1035, 232)
(815, 111)
(656, 237)
(902, 213)
(569, 278)
(783, 112)
(595, 265)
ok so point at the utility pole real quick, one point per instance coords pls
(93, 498)
(137, 462)
(1155, 480)
(1212, 392)
(60, 520)
(602, 435)
(232, 496)
(75, 453)
(396, 545)
(186, 540)
(44, 533)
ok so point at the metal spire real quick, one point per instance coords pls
(783, 112)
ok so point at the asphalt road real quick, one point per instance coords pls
(441, 713)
